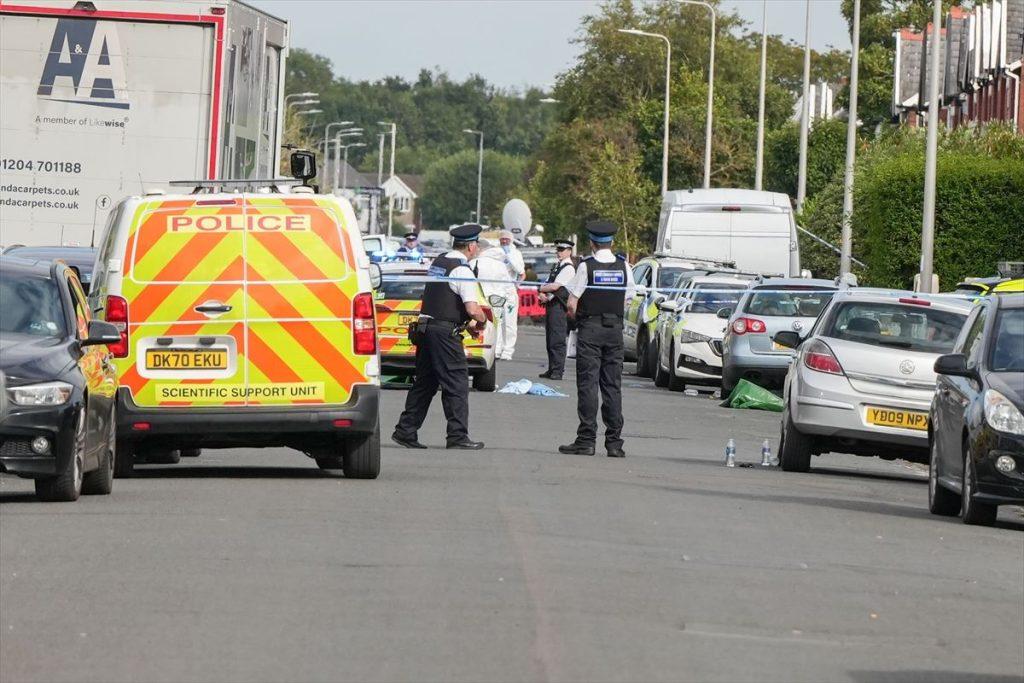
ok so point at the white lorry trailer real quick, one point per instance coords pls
(108, 98)
(754, 230)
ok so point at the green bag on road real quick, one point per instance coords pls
(748, 395)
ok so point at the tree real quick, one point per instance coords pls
(449, 187)
(826, 156)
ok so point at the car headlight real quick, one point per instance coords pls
(1002, 415)
(690, 337)
(46, 394)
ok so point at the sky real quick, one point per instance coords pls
(511, 43)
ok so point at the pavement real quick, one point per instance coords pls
(514, 563)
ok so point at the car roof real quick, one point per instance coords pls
(15, 265)
(879, 295)
(78, 256)
(1009, 300)
(724, 279)
(768, 283)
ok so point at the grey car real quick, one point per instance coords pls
(772, 306)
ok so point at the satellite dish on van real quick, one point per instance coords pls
(516, 217)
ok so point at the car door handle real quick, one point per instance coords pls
(212, 307)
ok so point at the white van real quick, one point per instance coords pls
(754, 230)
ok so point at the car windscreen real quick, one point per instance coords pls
(1007, 345)
(711, 296)
(30, 304)
(910, 327)
(788, 302)
(668, 276)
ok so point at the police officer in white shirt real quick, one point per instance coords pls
(450, 304)
(555, 296)
(597, 300)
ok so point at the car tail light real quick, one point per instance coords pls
(364, 327)
(819, 357)
(117, 315)
(748, 325)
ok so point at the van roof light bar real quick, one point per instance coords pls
(228, 185)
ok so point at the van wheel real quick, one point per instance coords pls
(487, 381)
(124, 461)
(643, 358)
(794, 447)
(361, 458)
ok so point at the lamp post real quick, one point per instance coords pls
(548, 100)
(380, 157)
(805, 114)
(344, 166)
(711, 90)
(846, 246)
(391, 173)
(347, 133)
(931, 152)
(668, 84)
(300, 95)
(479, 168)
(759, 168)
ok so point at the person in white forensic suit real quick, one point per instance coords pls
(509, 329)
(495, 280)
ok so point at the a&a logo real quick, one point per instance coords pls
(85, 54)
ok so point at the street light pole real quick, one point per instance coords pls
(711, 91)
(759, 170)
(380, 157)
(668, 84)
(479, 169)
(344, 167)
(337, 150)
(391, 174)
(805, 115)
(846, 251)
(931, 152)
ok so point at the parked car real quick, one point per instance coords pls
(771, 306)
(80, 259)
(246, 318)
(862, 380)
(58, 424)
(398, 301)
(976, 431)
(655, 277)
(690, 331)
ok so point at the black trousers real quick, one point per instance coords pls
(599, 368)
(556, 331)
(440, 363)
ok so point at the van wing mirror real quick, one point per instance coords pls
(787, 338)
(376, 277)
(101, 332)
(303, 165)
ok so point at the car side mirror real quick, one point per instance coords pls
(787, 338)
(954, 365)
(641, 290)
(101, 332)
(376, 277)
(668, 305)
(724, 313)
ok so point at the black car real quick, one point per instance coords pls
(976, 430)
(57, 421)
(80, 259)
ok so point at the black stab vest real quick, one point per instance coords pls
(611, 298)
(439, 301)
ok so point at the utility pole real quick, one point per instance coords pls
(479, 169)
(711, 90)
(931, 152)
(380, 156)
(759, 170)
(668, 91)
(851, 148)
(805, 115)
(391, 174)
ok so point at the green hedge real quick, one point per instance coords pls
(979, 216)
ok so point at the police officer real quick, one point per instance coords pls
(411, 249)
(448, 305)
(556, 322)
(597, 298)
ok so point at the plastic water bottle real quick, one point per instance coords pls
(766, 454)
(730, 453)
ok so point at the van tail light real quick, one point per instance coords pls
(748, 325)
(116, 313)
(819, 357)
(364, 326)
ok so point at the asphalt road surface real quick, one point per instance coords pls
(514, 563)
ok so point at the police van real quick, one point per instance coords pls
(247, 319)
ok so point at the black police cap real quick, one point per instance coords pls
(601, 230)
(410, 235)
(564, 244)
(468, 232)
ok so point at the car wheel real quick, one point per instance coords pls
(675, 383)
(660, 376)
(972, 511)
(488, 380)
(728, 381)
(100, 482)
(794, 447)
(66, 486)
(941, 501)
(124, 461)
(643, 360)
(361, 458)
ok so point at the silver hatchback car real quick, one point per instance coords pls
(774, 305)
(862, 381)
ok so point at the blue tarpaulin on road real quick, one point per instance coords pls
(526, 387)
